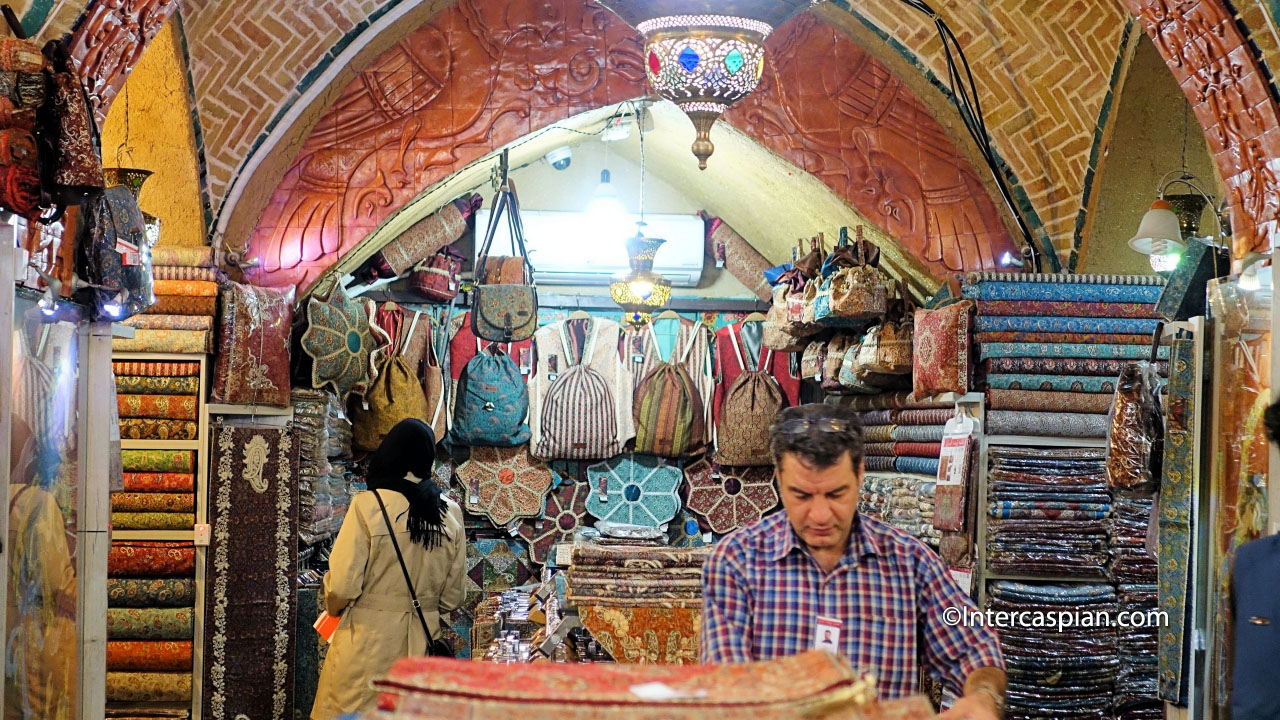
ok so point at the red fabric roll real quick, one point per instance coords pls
(917, 449)
(148, 655)
(159, 482)
(151, 559)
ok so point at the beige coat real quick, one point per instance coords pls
(366, 587)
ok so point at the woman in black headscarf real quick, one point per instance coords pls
(365, 585)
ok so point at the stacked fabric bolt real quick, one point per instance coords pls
(1135, 572)
(322, 482)
(159, 491)
(181, 320)
(160, 402)
(1058, 672)
(904, 440)
(1051, 346)
(150, 625)
(903, 501)
(1047, 512)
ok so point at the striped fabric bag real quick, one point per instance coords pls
(579, 414)
(668, 408)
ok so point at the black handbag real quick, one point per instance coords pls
(435, 648)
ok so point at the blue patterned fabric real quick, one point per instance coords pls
(1058, 383)
(916, 465)
(634, 490)
(1023, 592)
(918, 433)
(1072, 350)
(1175, 519)
(1060, 292)
(1117, 326)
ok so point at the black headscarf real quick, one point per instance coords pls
(410, 447)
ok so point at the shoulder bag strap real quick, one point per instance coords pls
(403, 568)
(733, 340)
(499, 202)
(517, 231)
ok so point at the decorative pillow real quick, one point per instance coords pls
(504, 484)
(685, 531)
(940, 357)
(634, 490)
(566, 512)
(730, 497)
(253, 353)
(340, 343)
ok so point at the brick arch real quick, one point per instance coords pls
(484, 73)
(1228, 89)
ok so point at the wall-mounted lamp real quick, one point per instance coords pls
(1008, 259)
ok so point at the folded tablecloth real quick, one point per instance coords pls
(1054, 383)
(1042, 308)
(1072, 350)
(1063, 292)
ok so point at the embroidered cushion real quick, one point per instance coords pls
(634, 490)
(340, 344)
(940, 357)
(504, 484)
(730, 497)
(253, 356)
(566, 511)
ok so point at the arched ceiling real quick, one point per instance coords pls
(262, 72)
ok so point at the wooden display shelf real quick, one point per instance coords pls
(264, 410)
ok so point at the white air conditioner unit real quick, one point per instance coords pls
(567, 249)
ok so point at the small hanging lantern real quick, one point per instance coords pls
(641, 290)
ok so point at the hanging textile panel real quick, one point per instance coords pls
(155, 369)
(135, 384)
(152, 521)
(1176, 490)
(179, 272)
(442, 688)
(1052, 383)
(634, 490)
(1063, 292)
(170, 322)
(566, 511)
(182, 305)
(1034, 324)
(164, 461)
(147, 687)
(159, 482)
(730, 497)
(1036, 400)
(504, 484)
(151, 592)
(148, 559)
(150, 623)
(166, 341)
(1072, 350)
(249, 649)
(186, 288)
(645, 635)
(153, 502)
(1086, 338)
(150, 429)
(1046, 424)
(170, 407)
(1093, 367)
(1041, 308)
(182, 257)
(149, 655)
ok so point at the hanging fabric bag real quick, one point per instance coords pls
(504, 310)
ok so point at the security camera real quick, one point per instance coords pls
(560, 158)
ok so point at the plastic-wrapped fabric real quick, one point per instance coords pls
(1094, 367)
(878, 463)
(879, 448)
(159, 482)
(252, 367)
(916, 465)
(182, 256)
(170, 322)
(1030, 324)
(147, 559)
(935, 416)
(878, 433)
(183, 305)
(1136, 431)
(155, 369)
(166, 341)
(1058, 291)
(148, 655)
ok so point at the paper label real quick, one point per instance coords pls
(564, 555)
(963, 578)
(953, 460)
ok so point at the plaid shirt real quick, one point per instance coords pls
(763, 592)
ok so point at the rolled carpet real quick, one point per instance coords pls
(153, 502)
(149, 655)
(1046, 424)
(182, 256)
(139, 385)
(1040, 308)
(159, 482)
(143, 687)
(1037, 400)
(166, 341)
(152, 520)
(150, 623)
(151, 592)
(183, 305)
(186, 288)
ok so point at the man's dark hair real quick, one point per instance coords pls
(817, 434)
(1271, 418)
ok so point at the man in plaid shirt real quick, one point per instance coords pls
(819, 574)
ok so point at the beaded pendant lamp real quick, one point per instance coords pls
(705, 55)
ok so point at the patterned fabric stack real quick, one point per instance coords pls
(151, 596)
(324, 444)
(159, 491)
(1135, 573)
(1051, 347)
(181, 320)
(1047, 512)
(158, 400)
(1061, 672)
(903, 501)
(633, 597)
(904, 440)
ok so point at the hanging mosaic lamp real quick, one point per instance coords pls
(705, 55)
(641, 290)
(133, 179)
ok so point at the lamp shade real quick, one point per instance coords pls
(1160, 232)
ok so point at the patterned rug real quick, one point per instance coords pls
(251, 604)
